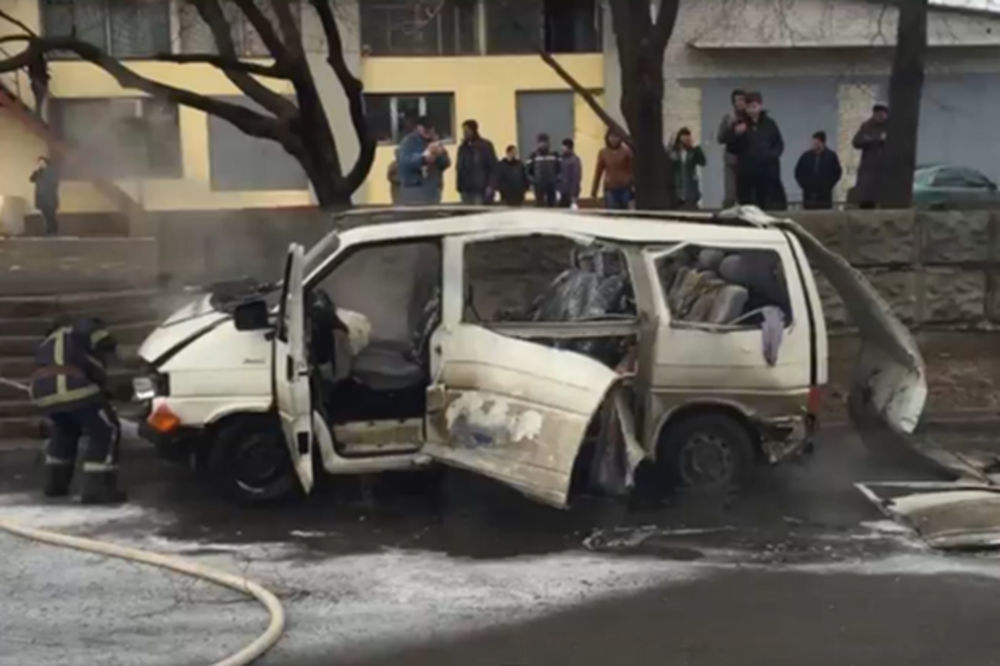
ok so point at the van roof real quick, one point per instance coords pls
(746, 223)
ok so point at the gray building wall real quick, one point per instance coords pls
(799, 105)
(820, 65)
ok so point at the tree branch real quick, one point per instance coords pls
(225, 63)
(211, 12)
(248, 121)
(289, 28)
(586, 95)
(666, 19)
(20, 24)
(355, 95)
(264, 28)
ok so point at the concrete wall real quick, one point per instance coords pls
(938, 270)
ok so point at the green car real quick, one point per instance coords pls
(944, 187)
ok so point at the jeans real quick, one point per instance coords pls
(545, 196)
(617, 198)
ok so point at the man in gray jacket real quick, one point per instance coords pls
(730, 162)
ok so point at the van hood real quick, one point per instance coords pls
(203, 313)
(181, 327)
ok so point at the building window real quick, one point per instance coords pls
(560, 26)
(131, 137)
(241, 162)
(123, 28)
(196, 37)
(419, 27)
(390, 117)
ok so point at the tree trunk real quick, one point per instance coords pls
(642, 106)
(905, 87)
(641, 44)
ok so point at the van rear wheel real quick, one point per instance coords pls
(250, 461)
(706, 452)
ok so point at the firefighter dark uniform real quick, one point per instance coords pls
(69, 385)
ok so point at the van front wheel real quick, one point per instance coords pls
(706, 452)
(250, 461)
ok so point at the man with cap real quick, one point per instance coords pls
(69, 385)
(870, 140)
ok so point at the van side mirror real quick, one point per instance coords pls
(252, 316)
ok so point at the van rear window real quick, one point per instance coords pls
(723, 286)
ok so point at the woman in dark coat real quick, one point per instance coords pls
(686, 158)
(870, 140)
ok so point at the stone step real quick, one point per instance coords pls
(19, 368)
(113, 306)
(55, 265)
(16, 408)
(22, 427)
(25, 326)
(80, 224)
(24, 345)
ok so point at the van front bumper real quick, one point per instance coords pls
(184, 445)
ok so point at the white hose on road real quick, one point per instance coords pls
(248, 654)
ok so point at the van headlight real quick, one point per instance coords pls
(149, 386)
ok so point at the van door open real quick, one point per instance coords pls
(509, 409)
(291, 369)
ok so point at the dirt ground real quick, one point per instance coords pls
(963, 372)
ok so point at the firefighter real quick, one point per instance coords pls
(70, 386)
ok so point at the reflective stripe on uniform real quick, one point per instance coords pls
(115, 434)
(53, 460)
(97, 336)
(98, 467)
(58, 358)
(65, 396)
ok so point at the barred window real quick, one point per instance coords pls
(390, 116)
(124, 137)
(123, 28)
(419, 27)
(196, 36)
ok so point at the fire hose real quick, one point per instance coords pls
(248, 653)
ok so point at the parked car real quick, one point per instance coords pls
(539, 348)
(945, 187)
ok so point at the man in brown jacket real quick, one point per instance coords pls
(614, 163)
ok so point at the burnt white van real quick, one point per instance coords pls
(546, 349)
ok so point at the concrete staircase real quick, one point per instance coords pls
(43, 279)
(131, 314)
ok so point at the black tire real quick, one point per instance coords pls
(706, 452)
(250, 461)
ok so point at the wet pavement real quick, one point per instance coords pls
(417, 569)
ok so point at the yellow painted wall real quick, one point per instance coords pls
(485, 88)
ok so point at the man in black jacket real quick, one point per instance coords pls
(476, 166)
(817, 173)
(758, 143)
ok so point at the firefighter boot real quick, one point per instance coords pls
(57, 480)
(101, 488)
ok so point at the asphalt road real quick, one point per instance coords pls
(797, 569)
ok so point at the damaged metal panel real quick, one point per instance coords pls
(512, 410)
(945, 515)
(888, 383)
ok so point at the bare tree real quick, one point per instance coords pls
(642, 30)
(905, 88)
(300, 126)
